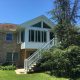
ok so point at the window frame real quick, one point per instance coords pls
(39, 36)
(22, 36)
(10, 54)
(47, 26)
(8, 36)
(34, 25)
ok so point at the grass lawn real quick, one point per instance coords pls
(11, 75)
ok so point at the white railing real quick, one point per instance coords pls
(37, 55)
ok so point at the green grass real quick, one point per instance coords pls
(11, 75)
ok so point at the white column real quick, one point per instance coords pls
(40, 36)
(41, 24)
(26, 37)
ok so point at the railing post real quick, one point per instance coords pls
(25, 65)
(37, 55)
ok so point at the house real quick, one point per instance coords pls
(8, 43)
(18, 42)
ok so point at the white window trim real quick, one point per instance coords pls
(41, 24)
(36, 33)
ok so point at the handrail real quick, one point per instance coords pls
(34, 53)
(38, 52)
(40, 49)
(37, 55)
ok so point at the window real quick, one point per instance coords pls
(45, 36)
(22, 35)
(12, 57)
(15, 56)
(46, 26)
(9, 57)
(51, 35)
(37, 25)
(37, 36)
(9, 36)
(32, 35)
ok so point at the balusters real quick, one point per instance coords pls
(37, 55)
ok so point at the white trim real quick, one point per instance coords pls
(36, 38)
(41, 24)
(36, 20)
(40, 29)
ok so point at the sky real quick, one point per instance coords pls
(19, 11)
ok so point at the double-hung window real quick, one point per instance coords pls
(9, 37)
(12, 57)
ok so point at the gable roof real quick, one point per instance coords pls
(38, 19)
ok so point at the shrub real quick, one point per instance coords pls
(64, 62)
(9, 67)
(45, 61)
(73, 56)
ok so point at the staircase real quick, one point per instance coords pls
(31, 62)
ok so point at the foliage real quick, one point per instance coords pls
(9, 67)
(64, 62)
(65, 15)
(67, 36)
(65, 12)
(73, 55)
(46, 61)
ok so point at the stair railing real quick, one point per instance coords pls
(37, 55)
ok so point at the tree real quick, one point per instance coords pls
(64, 61)
(65, 15)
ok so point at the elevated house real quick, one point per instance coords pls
(19, 42)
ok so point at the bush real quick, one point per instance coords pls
(64, 62)
(9, 67)
(73, 55)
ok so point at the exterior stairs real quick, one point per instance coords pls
(32, 61)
